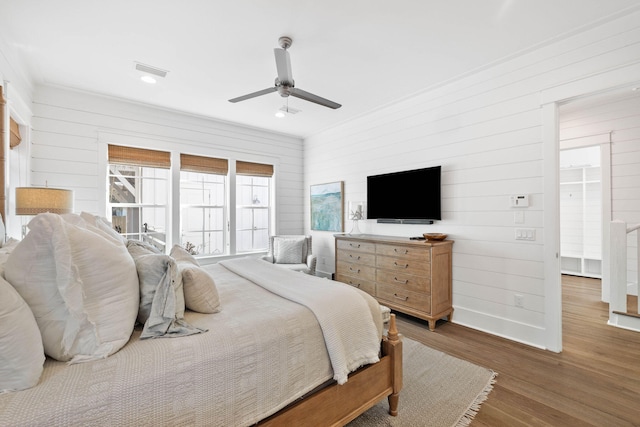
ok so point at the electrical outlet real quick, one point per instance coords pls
(518, 300)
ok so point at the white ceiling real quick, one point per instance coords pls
(363, 54)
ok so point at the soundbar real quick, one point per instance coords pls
(403, 221)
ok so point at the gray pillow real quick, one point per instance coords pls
(288, 250)
(161, 295)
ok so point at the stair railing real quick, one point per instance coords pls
(619, 282)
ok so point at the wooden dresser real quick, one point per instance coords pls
(410, 276)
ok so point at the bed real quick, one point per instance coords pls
(261, 359)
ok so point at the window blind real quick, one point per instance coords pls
(254, 169)
(191, 163)
(139, 157)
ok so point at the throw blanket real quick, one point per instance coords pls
(350, 334)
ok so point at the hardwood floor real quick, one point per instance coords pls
(595, 381)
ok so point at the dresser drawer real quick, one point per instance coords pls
(355, 257)
(399, 296)
(356, 246)
(404, 281)
(365, 285)
(404, 265)
(409, 252)
(356, 270)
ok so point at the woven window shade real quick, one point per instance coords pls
(139, 157)
(14, 137)
(254, 169)
(191, 163)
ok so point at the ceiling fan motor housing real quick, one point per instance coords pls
(284, 88)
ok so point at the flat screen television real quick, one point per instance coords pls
(407, 197)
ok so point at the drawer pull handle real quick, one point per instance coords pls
(399, 297)
(354, 246)
(357, 285)
(357, 270)
(404, 282)
(400, 265)
(397, 251)
(357, 257)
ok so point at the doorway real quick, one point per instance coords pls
(581, 211)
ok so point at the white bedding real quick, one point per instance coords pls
(261, 352)
(349, 331)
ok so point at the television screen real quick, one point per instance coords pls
(406, 195)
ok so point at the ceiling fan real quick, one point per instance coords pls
(284, 84)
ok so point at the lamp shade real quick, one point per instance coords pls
(356, 210)
(35, 200)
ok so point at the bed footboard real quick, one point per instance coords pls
(336, 405)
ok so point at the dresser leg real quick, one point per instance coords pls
(432, 325)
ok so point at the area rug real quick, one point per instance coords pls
(439, 391)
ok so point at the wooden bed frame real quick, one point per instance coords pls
(336, 405)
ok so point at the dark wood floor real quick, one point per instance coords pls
(595, 381)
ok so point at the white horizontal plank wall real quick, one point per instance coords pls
(18, 94)
(485, 129)
(69, 126)
(621, 117)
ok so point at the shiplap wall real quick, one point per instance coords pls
(18, 93)
(621, 117)
(70, 127)
(486, 130)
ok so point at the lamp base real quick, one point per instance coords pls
(354, 228)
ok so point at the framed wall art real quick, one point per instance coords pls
(327, 205)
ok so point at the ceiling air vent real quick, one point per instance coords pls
(151, 70)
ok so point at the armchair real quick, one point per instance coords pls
(293, 252)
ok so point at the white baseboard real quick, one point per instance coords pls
(515, 331)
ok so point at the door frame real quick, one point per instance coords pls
(550, 99)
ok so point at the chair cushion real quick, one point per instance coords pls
(296, 267)
(289, 250)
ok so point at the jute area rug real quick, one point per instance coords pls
(439, 391)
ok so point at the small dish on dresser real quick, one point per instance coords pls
(434, 236)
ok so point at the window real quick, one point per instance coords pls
(203, 207)
(148, 202)
(139, 193)
(253, 206)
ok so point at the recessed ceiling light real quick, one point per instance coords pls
(148, 79)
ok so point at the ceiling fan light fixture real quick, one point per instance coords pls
(280, 114)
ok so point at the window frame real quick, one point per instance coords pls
(175, 148)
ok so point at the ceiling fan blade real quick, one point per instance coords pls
(283, 64)
(254, 94)
(299, 93)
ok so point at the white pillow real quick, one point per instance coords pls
(103, 226)
(3, 232)
(5, 251)
(288, 250)
(200, 292)
(21, 352)
(161, 295)
(81, 287)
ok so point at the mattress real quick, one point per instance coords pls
(261, 352)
